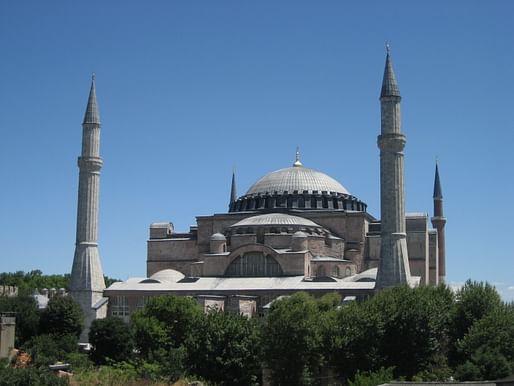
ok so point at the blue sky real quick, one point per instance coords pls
(189, 90)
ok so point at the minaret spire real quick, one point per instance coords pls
(92, 115)
(393, 267)
(438, 222)
(438, 193)
(87, 281)
(389, 83)
(233, 191)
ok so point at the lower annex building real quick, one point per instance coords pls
(296, 229)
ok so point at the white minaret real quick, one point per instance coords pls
(393, 269)
(87, 280)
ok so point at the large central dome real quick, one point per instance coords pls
(296, 179)
(296, 188)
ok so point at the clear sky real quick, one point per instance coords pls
(189, 90)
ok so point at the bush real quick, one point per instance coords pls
(225, 349)
(370, 378)
(62, 316)
(47, 349)
(111, 340)
(29, 376)
(27, 316)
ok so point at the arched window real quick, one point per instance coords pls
(254, 264)
(348, 271)
(335, 271)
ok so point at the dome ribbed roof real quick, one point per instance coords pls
(275, 219)
(296, 178)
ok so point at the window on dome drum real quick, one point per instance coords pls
(348, 271)
(254, 264)
(335, 271)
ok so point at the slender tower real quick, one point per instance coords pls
(233, 192)
(87, 281)
(393, 269)
(438, 222)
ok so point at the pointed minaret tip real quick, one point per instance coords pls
(438, 193)
(389, 84)
(297, 161)
(92, 115)
(233, 192)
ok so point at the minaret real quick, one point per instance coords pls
(393, 269)
(233, 192)
(438, 222)
(87, 281)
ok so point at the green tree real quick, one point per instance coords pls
(416, 324)
(29, 376)
(488, 347)
(26, 313)
(62, 316)
(354, 342)
(165, 322)
(401, 328)
(47, 349)
(27, 282)
(293, 340)
(225, 349)
(111, 339)
(161, 329)
(474, 301)
(372, 378)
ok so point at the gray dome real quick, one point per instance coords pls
(296, 178)
(168, 275)
(275, 219)
(218, 237)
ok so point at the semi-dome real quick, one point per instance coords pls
(275, 219)
(296, 179)
(277, 223)
(299, 188)
(167, 275)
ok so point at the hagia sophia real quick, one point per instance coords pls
(295, 229)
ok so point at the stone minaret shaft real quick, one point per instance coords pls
(393, 267)
(87, 281)
(438, 222)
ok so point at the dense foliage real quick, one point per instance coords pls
(47, 349)
(62, 316)
(225, 349)
(28, 281)
(293, 339)
(29, 376)
(420, 334)
(111, 339)
(27, 316)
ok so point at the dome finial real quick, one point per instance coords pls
(297, 161)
